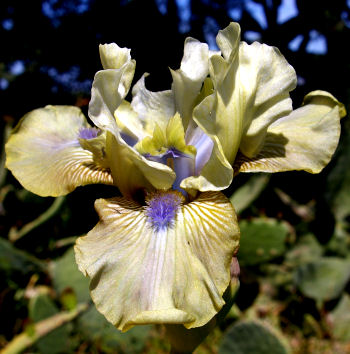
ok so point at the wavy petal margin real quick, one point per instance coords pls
(175, 275)
(45, 155)
(304, 140)
(111, 85)
(188, 80)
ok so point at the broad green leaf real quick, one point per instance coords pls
(253, 337)
(57, 341)
(95, 328)
(323, 279)
(13, 259)
(66, 276)
(340, 319)
(244, 196)
(261, 241)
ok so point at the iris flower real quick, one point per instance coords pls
(161, 252)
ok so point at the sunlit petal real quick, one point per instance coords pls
(152, 107)
(49, 154)
(110, 86)
(131, 171)
(264, 79)
(187, 81)
(147, 267)
(304, 140)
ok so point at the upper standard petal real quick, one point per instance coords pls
(303, 140)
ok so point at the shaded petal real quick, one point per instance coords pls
(215, 115)
(152, 107)
(174, 275)
(264, 79)
(45, 154)
(131, 171)
(304, 140)
(188, 80)
(129, 123)
(110, 86)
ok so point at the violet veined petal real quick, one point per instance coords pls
(53, 150)
(149, 266)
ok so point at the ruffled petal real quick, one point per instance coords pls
(48, 154)
(152, 107)
(110, 86)
(132, 172)
(188, 80)
(129, 124)
(141, 273)
(264, 79)
(304, 140)
(215, 115)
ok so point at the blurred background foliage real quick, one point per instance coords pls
(295, 246)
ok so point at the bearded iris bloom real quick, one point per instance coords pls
(161, 252)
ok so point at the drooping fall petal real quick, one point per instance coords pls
(53, 150)
(303, 140)
(166, 262)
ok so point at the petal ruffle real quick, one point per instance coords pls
(110, 86)
(152, 107)
(264, 79)
(175, 275)
(188, 80)
(304, 140)
(251, 90)
(47, 155)
(131, 171)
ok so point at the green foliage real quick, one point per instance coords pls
(13, 259)
(323, 279)
(95, 329)
(252, 337)
(66, 276)
(340, 319)
(57, 341)
(261, 240)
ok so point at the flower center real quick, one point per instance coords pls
(162, 207)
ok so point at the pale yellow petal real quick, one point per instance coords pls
(131, 171)
(188, 80)
(152, 107)
(128, 122)
(46, 155)
(174, 275)
(264, 79)
(112, 56)
(304, 140)
(111, 85)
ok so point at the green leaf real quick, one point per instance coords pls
(96, 329)
(66, 276)
(244, 196)
(306, 250)
(252, 337)
(323, 279)
(339, 181)
(57, 341)
(261, 240)
(340, 319)
(13, 259)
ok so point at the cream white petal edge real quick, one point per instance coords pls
(304, 140)
(174, 276)
(45, 155)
